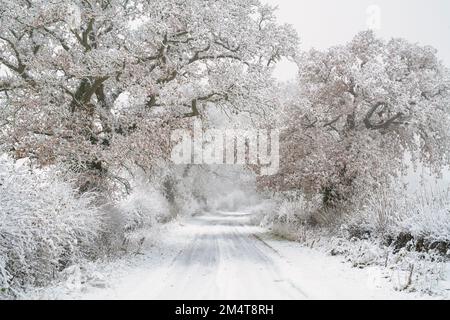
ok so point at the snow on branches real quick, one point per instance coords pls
(358, 108)
(84, 81)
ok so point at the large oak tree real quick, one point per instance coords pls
(357, 111)
(99, 83)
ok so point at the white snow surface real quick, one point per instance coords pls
(222, 255)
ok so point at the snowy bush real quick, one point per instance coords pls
(392, 211)
(262, 212)
(144, 207)
(140, 211)
(294, 209)
(45, 225)
(405, 234)
(187, 197)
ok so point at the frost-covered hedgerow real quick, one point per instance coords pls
(406, 234)
(130, 220)
(45, 225)
(392, 211)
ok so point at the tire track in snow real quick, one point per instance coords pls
(226, 260)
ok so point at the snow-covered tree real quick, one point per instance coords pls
(358, 109)
(99, 83)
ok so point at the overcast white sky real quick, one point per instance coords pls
(323, 23)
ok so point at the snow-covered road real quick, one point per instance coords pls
(225, 259)
(224, 256)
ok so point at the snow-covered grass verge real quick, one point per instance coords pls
(404, 238)
(403, 270)
(323, 276)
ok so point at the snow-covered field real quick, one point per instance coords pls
(222, 255)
